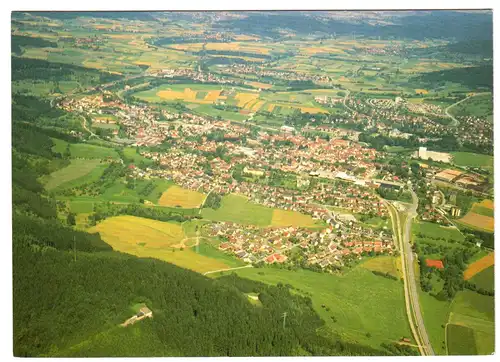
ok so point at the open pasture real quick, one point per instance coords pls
(460, 340)
(176, 196)
(485, 279)
(237, 209)
(472, 159)
(75, 170)
(88, 151)
(347, 310)
(384, 264)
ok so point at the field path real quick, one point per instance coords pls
(221, 270)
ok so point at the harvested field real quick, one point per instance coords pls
(176, 196)
(421, 91)
(477, 221)
(270, 107)
(479, 265)
(147, 238)
(291, 218)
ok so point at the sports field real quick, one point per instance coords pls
(347, 308)
(75, 170)
(291, 218)
(479, 265)
(148, 238)
(238, 209)
(176, 196)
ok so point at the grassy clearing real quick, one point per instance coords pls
(209, 250)
(475, 311)
(435, 314)
(460, 340)
(472, 159)
(291, 218)
(349, 299)
(131, 153)
(432, 230)
(176, 196)
(81, 207)
(238, 209)
(74, 171)
(86, 151)
(153, 239)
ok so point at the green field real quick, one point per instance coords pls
(460, 340)
(81, 207)
(358, 318)
(131, 153)
(472, 159)
(432, 230)
(475, 311)
(86, 151)
(485, 279)
(75, 173)
(435, 314)
(210, 250)
(238, 209)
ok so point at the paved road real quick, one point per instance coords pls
(455, 122)
(411, 281)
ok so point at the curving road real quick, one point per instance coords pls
(411, 280)
(455, 122)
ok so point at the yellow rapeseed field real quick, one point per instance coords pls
(176, 196)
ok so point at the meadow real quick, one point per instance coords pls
(485, 278)
(237, 209)
(347, 310)
(460, 340)
(77, 170)
(384, 264)
(148, 238)
(472, 159)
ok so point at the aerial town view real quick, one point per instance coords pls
(259, 183)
